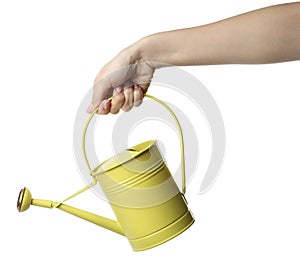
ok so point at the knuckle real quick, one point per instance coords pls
(126, 108)
(115, 108)
(137, 103)
(114, 111)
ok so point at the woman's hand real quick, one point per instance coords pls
(126, 78)
(248, 38)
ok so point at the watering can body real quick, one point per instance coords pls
(148, 205)
(144, 196)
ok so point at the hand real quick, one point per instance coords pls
(126, 78)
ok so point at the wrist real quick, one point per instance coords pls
(148, 50)
(141, 49)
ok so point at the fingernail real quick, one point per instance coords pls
(118, 89)
(90, 108)
(135, 86)
(100, 108)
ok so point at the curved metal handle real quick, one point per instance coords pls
(178, 128)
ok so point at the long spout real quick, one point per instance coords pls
(25, 200)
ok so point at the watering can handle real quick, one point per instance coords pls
(178, 127)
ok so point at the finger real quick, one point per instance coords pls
(104, 107)
(117, 103)
(138, 95)
(128, 104)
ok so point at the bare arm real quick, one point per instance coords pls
(266, 35)
(263, 36)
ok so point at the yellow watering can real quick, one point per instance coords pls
(149, 207)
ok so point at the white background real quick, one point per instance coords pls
(50, 54)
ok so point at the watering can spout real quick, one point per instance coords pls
(25, 200)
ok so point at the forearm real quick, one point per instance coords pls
(262, 36)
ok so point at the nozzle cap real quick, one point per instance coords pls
(24, 200)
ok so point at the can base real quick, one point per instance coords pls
(163, 235)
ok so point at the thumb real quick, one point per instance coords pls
(101, 90)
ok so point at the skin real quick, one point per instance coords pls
(267, 35)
